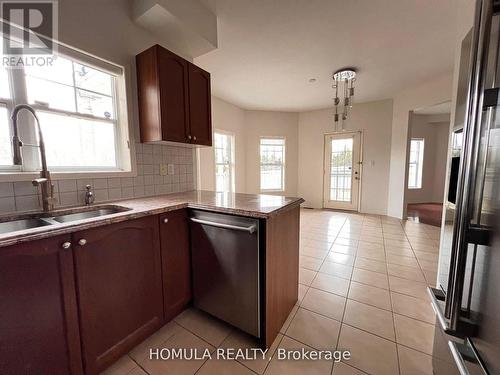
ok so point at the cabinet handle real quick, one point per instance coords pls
(82, 242)
(189, 136)
(194, 137)
(66, 245)
(165, 220)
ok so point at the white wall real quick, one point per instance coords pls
(374, 119)
(247, 128)
(435, 91)
(435, 135)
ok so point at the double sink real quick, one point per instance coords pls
(37, 220)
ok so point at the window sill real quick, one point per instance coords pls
(271, 191)
(13, 176)
(414, 188)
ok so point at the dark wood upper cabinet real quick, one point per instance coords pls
(38, 310)
(174, 99)
(118, 278)
(200, 114)
(176, 262)
(173, 79)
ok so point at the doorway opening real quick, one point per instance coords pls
(427, 155)
(342, 171)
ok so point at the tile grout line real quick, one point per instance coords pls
(392, 309)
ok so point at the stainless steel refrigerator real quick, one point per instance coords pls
(467, 296)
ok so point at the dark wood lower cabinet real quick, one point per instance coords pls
(176, 262)
(118, 278)
(38, 310)
(76, 303)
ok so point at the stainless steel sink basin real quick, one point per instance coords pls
(42, 219)
(88, 214)
(23, 224)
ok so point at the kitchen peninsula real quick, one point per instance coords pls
(102, 278)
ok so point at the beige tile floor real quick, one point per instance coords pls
(363, 282)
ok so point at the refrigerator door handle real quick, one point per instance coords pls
(457, 356)
(468, 168)
(464, 327)
(466, 356)
(439, 314)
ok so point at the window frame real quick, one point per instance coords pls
(232, 162)
(283, 165)
(419, 164)
(124, 147)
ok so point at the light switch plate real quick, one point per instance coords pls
(163, 169)
(171, 169)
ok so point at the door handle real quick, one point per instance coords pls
(251, 229)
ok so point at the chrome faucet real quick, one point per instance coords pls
(44, 181)
(89, 195)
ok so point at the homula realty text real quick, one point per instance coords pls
(282, 354)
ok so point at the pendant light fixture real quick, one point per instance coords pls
(343, 83)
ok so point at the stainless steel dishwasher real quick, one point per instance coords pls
(225, 266)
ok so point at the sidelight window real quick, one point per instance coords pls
(224, 161)
(416, 163)
(272, 164)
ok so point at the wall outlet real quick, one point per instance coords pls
(163, 169)
(171, 169)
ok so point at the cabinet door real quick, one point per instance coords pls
(118, 278)
(200, 116)
(173, 88)
(38, 314)
(176, 262)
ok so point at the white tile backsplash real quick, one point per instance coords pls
(115, 193)
(114, 183)
(66, 185)
(22, 188)
(101, 195)
(69, 198)
(23, 196)
(100, 183)
(6, 189)
(27, 202)
(7, 204)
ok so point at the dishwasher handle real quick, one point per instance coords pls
(251, 229)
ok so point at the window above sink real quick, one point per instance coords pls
(81, 103)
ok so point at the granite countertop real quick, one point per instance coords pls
(252, 205)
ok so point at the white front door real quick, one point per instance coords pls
(342, 171)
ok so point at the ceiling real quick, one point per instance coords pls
(438, 109)
(269, 49)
